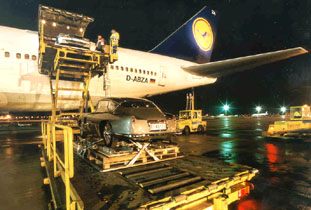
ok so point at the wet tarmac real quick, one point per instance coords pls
(284, 181)
(21, 177)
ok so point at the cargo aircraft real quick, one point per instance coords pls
(180, 61)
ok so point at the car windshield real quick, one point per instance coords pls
(137, 104)
(139, 108)
(106, 106)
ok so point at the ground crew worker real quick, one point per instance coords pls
(98, 44)
(102, 43)
(114, 40)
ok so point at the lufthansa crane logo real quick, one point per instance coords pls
(203, 34)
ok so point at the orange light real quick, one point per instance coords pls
(243, 192)
(54, 24)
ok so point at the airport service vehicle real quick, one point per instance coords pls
(299, 125)
(190, 120)
(132, 118)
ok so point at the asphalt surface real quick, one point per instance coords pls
(21, 176)
(284, 181)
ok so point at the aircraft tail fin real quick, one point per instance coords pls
(194, 40)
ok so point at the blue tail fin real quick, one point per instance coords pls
(194, 40)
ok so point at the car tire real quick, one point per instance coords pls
(200, 129)
(107, 135)
(186, 130)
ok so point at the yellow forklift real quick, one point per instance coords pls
(190, 120)
(299, 125)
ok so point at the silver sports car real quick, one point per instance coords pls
(129, 118)
(73, 41)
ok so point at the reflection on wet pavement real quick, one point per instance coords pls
(21, 177)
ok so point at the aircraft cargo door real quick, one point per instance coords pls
(162, 76)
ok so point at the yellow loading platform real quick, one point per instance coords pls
(77, 182)
(66, 63)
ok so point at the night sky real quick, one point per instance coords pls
(244, 28)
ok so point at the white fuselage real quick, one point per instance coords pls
(135, 74)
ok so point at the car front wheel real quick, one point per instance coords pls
(107, 134)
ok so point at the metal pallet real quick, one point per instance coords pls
(120, 160)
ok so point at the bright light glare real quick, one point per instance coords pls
(283, 109)
(54, 24)
(258, 109)
(226, 107)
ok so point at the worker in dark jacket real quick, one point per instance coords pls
(98, 44)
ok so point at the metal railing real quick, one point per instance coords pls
(63, 163)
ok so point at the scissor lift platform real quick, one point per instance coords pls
(77, 61)
(74, 64)
(70, 67)
(72, 59)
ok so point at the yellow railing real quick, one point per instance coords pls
(63, 164)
